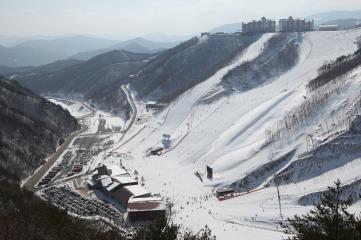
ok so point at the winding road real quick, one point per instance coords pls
(134, 114)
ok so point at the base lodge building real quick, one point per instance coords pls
(119, 186)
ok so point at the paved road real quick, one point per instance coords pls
(134, 114)
(30, 184)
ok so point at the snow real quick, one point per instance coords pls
(124, 180)
(106, 181)
(76, 108)
(103, 122)
(116, 170)
(229, 134)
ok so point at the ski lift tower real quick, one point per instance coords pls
(278, 194)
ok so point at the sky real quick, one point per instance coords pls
(130, 18)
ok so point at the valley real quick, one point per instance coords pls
(278, 132)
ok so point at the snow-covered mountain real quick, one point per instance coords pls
(161, 77)
(298, 126)
(89, 79)
(259, 110)
(136, 45)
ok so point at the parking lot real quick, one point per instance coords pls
(75, 203)
(50, 175)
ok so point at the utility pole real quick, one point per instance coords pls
(279, 197)
(188, 127)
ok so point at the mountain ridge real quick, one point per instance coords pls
(26, 119)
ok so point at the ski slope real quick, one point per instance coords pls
(229, 135)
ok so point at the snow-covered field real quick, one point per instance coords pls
(229, 134)
(104, 122)
(77, 109)
(97, 121)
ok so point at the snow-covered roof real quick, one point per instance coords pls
(146, 204)
(106, 181)
(99, 178)
(112, 186)
(118, 171)
(115, 169)
(136, 190)
(124, 180)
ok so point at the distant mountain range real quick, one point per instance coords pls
(44, 51)
(10, 41)
(345, 23)
(158, 77)
(324, 17)
(161, 37)
(136, 45)
(38, 52)
(69, 45)
(232, 27)
(90, 79)
(25, 56)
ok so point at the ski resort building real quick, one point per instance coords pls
(295, 25)
(262, 26)
(123, 194)
(146, 209)
(118, 185)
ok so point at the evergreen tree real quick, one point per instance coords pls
(329, 220)
(165, 229)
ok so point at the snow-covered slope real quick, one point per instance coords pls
(246, 138)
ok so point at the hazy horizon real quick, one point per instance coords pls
(117, 19)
